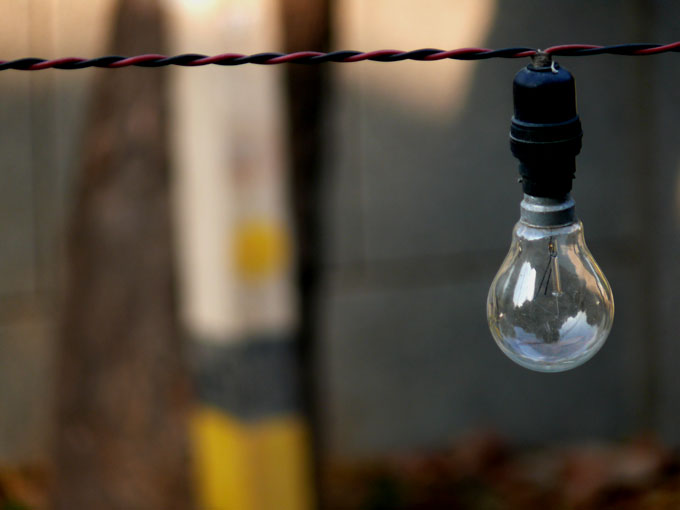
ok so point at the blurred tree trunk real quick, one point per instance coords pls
(121, 438)
(307, 26)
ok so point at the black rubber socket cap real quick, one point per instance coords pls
(545, 134)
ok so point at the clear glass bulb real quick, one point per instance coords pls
(550, 308)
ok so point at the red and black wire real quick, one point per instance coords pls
(315, 57)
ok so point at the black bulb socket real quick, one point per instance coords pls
(545, 134)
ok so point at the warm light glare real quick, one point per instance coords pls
(436, 89)
(196, 4)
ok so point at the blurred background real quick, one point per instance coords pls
(260, 288)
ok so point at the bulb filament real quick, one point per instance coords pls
(552, 269)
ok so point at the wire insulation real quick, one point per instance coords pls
(346, 56)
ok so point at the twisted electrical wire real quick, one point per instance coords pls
(315, 57)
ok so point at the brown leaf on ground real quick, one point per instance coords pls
(24, 487)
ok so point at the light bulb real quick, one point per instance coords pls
(550, 308)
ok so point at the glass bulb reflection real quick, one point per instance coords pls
(550, 308)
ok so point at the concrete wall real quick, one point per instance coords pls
(41, 115)
(422, 198)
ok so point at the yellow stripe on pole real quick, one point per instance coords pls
(250, 466)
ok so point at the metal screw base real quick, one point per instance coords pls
(547, 212)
